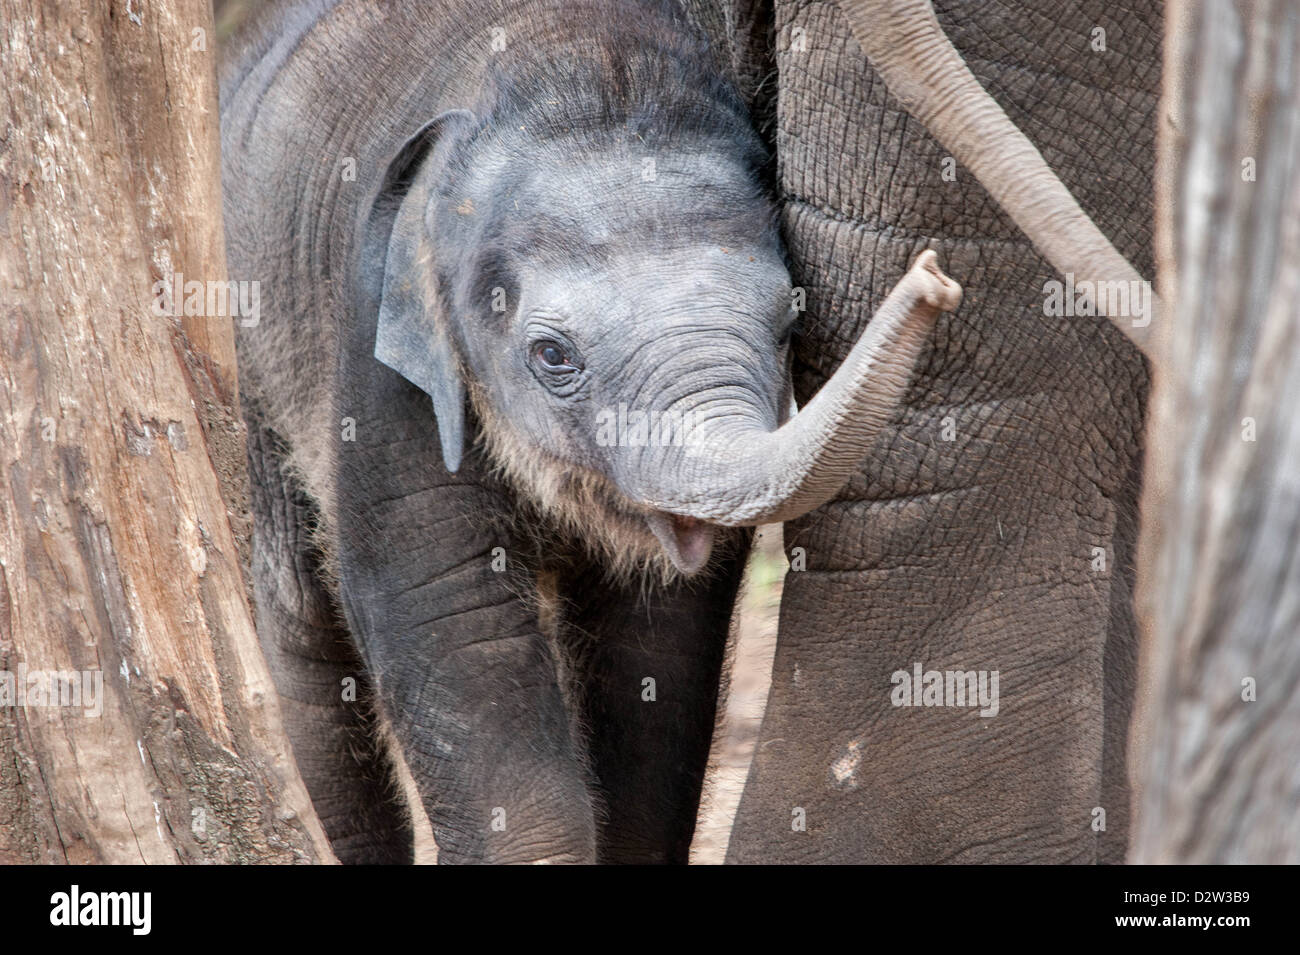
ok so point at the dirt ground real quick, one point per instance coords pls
(752, 645)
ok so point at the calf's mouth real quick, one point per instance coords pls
(686, 541)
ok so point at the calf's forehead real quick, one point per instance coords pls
(691, 286)
(637, 200)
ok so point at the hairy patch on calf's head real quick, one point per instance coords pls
(649, 89)
(650, 75)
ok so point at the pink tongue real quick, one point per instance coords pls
(686, 541)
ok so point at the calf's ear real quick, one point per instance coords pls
(413, 337)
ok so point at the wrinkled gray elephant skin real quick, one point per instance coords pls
(500, 245)
(991, 528)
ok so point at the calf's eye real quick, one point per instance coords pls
(552, 356)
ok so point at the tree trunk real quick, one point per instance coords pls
(1220, 561)
(122, 457)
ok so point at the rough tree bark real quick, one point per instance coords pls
(121, 460)
(1220, 559)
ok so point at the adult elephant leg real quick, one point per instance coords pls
(991, 527)
(649, 741)
(347, 773)
(448, 626)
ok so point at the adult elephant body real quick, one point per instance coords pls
(991, 528)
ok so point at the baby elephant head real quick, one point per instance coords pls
(611, 293)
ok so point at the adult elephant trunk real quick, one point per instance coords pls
(739, 474)
(907, 46)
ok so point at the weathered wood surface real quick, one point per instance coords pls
(121, 455)
(1220, 559)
